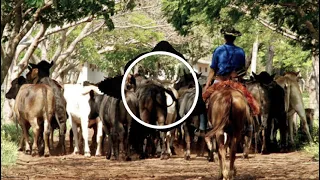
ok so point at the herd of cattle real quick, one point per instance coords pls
(45, 105)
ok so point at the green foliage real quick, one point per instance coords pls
(295, 16)
(61, 11)
(159, 65)
(127, 43)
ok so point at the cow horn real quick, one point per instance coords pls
(87, 89)
(177, 80)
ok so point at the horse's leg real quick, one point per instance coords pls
(233, 151)
(222, 155)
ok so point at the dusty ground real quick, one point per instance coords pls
(295, 165)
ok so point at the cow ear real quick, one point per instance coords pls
(32, 65)
(255, 76)
(51, 64)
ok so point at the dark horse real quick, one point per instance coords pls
(229, 113)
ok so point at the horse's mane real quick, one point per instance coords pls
(236, 86)
(111, 86)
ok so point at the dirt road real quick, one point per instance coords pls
(296, 165)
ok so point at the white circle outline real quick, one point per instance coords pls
(124, 97)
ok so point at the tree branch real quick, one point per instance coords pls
(66, 26)
(60, 45)
(141, 27)
(23, 63)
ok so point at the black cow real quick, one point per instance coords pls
(39, 74)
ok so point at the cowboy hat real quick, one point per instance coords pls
(230, 31)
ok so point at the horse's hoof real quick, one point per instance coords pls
(87, 154)
(128, 158)
(76, 152)
(187, 158)
(47, 154)
(98, 154)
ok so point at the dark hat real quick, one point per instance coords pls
(230, 31)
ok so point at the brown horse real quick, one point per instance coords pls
(229, 113)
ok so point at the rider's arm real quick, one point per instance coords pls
(209, 79)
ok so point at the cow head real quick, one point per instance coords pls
(264, 77)
(186, 80)
(293, 75)
(15, 87)
(40, 70)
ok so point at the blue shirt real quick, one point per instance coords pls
(227, 58)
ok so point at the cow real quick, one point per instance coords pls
(78, 109)
(34, 107)
(39, 74)
(293, 103)
(229, 113)
(185, 86)
(271, 98)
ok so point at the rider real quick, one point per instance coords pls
(228, 60)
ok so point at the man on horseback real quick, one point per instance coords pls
(228, 60)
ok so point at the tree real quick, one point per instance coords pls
(18, 17)
(297, 20)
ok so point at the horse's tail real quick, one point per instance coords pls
(225, 108)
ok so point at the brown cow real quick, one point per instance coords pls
(229, 113)
(34, 106)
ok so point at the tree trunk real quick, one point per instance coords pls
(270, 54)
(315, 58)
(254, 56)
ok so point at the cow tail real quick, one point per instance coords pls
(45, 94)
(171, 94)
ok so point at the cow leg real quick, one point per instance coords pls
(168, 142)
(99, 137)
(36, 132)
(75, 137)
(302, 114)
(46, 134)
(62, 139)
(187, 141)
(290, 123)
(247, 144)
(51, 139)
(85, 135)
(122, 155)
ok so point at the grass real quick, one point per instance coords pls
(10, 136)
(9, 149)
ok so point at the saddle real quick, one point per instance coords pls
(254, 107)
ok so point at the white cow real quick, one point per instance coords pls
(77, 97)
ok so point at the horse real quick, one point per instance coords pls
(229, 114)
